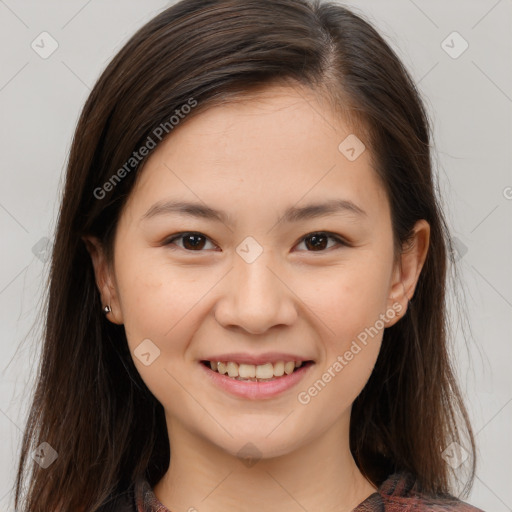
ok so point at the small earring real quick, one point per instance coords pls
(107, 309)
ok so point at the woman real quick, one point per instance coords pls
(247, 296)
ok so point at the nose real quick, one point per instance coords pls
(256, 297)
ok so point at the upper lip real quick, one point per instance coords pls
(268, 357)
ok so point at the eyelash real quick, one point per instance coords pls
(341, 242)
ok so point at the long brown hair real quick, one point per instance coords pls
(90, 403)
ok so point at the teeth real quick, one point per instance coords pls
(247, 371)
(232, 369)
(279, 369)
(265, 371)
(253, 372)
(289, 367)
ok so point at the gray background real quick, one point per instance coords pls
(469, 98)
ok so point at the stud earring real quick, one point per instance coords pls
(107, 309)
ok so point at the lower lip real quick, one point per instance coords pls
(257, 390)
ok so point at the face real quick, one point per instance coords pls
(281, 250)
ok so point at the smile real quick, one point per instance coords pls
(254, 373)
(256, 381)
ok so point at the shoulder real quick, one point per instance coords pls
(399, 494)
(426, 504)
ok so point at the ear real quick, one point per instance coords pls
(104, 278)
(408, 269)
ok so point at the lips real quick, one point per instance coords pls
(256, 388)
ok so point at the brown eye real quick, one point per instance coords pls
(314, 242)
(317, 242)
(190, 241)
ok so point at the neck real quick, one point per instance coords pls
(319, 476)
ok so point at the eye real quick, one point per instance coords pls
(191, 241)
(314, 242)
(318, 241)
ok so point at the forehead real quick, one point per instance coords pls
(277, 145)
(277, 116)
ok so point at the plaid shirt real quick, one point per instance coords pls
(396, 494)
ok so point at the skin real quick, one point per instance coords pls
(253, 159)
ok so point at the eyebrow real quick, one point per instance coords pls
(292, 214)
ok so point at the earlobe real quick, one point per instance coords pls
(104, 280)
(408, 269)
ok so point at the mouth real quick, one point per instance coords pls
(255, 382)
(266, 372)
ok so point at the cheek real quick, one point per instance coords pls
(159, 305)
(348, 302)
(163, 303)
(155, 297)
(348, 298)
